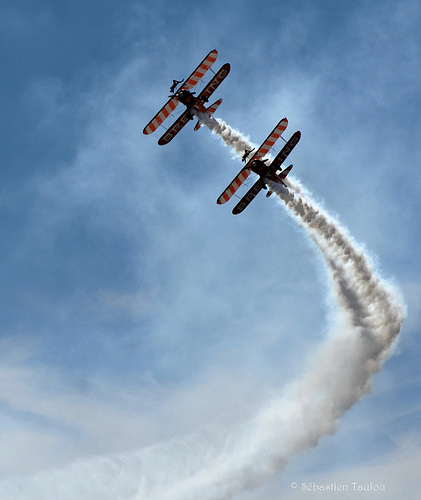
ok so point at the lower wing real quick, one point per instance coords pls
(175, 128)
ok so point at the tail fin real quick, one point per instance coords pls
(211, 110)
(284, 173)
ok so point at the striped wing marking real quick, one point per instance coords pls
(162, 115)
(200, 70)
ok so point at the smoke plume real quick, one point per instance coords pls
(369, 318)
(232, 138)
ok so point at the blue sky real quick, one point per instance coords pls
(135, 312)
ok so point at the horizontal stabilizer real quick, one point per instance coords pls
(211, 110)
(285, 172)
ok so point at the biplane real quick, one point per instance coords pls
(194, 104)
(258, 165)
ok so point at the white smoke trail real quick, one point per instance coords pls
(369, 320)
(232, 138)
(341, 373)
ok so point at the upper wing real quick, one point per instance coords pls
(260, 153)
(215, 82)
(286, 150)
(232, 188)
(200, 70)
(270, 140)
(162, 114)
(191, 81)
(175, 128)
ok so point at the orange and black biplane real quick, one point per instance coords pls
(257, 164)
(184, 95)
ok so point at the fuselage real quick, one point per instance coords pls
(260, 168)
(266, 173)
(190, 101)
